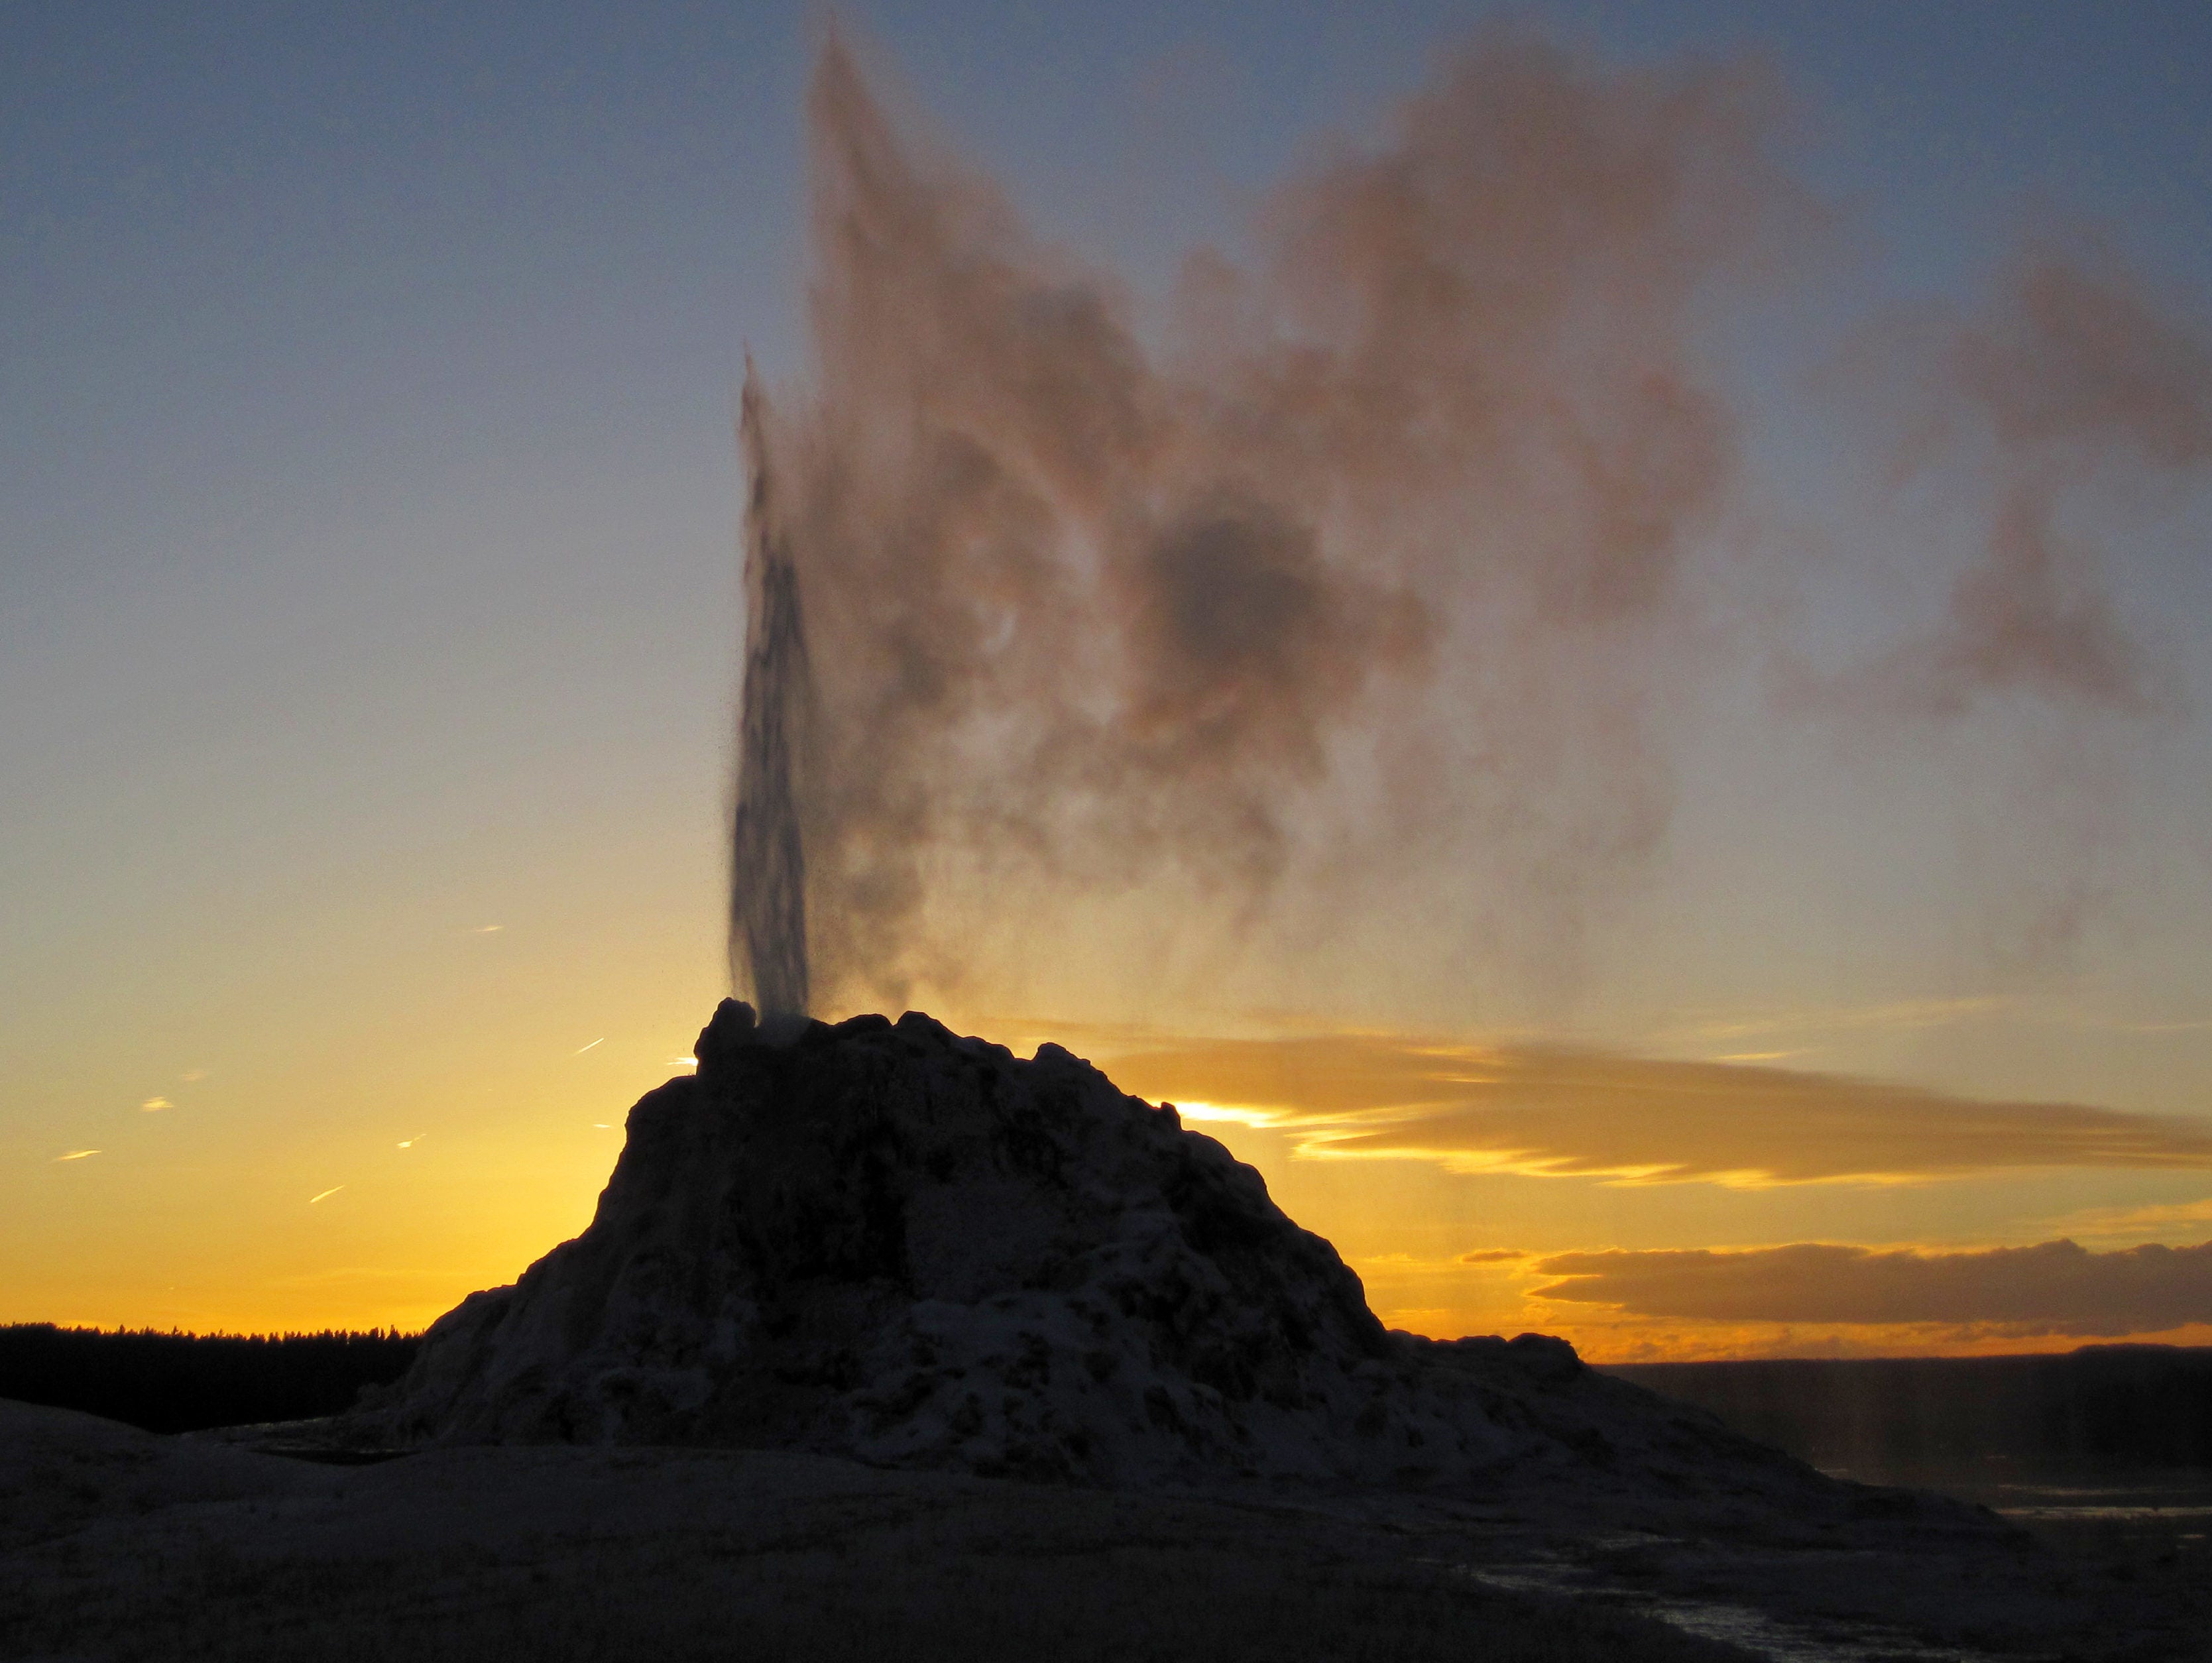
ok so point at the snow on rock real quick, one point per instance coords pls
(882, 1241)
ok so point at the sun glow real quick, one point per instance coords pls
(1247, 1114)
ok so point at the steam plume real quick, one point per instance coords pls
(768, 859)
(2058, 410)
(2076, 380)
(1385, 554)
(1364, 584)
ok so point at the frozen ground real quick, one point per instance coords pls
(115, 1543)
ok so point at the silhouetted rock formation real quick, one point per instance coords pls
(882, 1241)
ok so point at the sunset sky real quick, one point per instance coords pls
(1810, 955)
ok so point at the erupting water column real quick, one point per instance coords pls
(768, 859)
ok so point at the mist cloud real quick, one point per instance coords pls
(2084, 363)
(1388, 549)
(2055, 1286)
(2030, 617)
(2075, 380)
(1365, 579)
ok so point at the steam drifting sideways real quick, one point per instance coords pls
(1361, 588)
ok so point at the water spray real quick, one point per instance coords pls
(768, 857)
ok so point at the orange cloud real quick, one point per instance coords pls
(2054, 1287)
(1551, 1111)
(2166, 1219)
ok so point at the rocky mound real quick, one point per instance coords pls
(882, 1241)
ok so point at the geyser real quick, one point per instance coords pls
(768, 859)
(882, 1241)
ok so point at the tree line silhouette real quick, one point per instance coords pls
(180, 1382)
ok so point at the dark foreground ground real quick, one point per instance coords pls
(118, 1545)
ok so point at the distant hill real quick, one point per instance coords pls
(2146, 1405)
(177, 1382)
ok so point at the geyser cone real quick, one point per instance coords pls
(885, 1242)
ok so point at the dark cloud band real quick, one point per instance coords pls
(2055, 1286)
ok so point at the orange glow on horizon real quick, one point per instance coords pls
(1351, 1132)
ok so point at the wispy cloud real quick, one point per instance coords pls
(1809, 1027)
(1553, 1111)
(326, 1195)
(154, 1105)
(2056, 1287)
(581, 1049)
(1893, 1015)
(2165, 1219)
(76, 1155)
